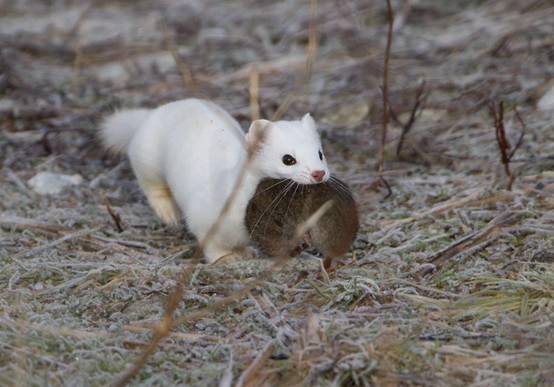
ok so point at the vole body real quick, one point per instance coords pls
(187, 156)
(279, 207)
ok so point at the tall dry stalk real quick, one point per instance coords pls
(381, 162)
(507, 152)
(254, 94)
(185, 71)
(407, 126)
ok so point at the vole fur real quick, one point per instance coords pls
(280, 206)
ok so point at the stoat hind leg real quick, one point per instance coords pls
(162, 202)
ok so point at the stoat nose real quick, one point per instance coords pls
(318, 176)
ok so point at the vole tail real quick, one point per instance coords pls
(117, 130)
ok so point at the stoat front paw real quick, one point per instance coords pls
(229, 258)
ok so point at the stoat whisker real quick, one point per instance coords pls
(281, 193)
(305, 175)
(292, 198)
(274, 206)
(281, 181)
(338, 186)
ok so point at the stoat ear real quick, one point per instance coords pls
(309, 122)
(256, 133)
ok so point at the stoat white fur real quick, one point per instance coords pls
(187, 156)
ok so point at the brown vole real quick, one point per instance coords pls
(280, 206)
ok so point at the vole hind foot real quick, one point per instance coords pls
(329, 265)
(327, 262)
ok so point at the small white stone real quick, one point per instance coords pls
(38, 286)
(6, 104)
(547, 100)
(48, 183)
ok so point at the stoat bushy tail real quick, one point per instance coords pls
(118, 129)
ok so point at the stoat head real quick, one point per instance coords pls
(288, 150)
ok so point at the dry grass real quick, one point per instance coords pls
(451, 281)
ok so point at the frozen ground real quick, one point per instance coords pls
(451, 281)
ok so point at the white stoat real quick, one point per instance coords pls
(187, 156)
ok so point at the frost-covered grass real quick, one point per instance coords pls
(451, 281)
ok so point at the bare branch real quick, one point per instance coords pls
(473, 238)
(115, 216)
(521, 136)
(506, 151)
(184, 70)
(249, 377)
(390, 17)
(418, 106)
(385, 92)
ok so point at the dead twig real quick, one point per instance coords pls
(115, 216)
(184, 70)
(250, 377)
(312, 39)
(167, 323)
(471, 196)
(521, 136)
(416, 109)
(385, 92)
(506, 150)
(65, 238)
(25, 223)
(254, 93)
(161, 331)
(473, 239)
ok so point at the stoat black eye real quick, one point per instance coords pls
(289, 160)
(320, 156)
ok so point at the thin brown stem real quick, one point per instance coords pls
(506, 150)
(390, 17)
(254, 94)
(521, 136)
(184, 70)
(385, 92)
(418, 106)
(115, 217)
